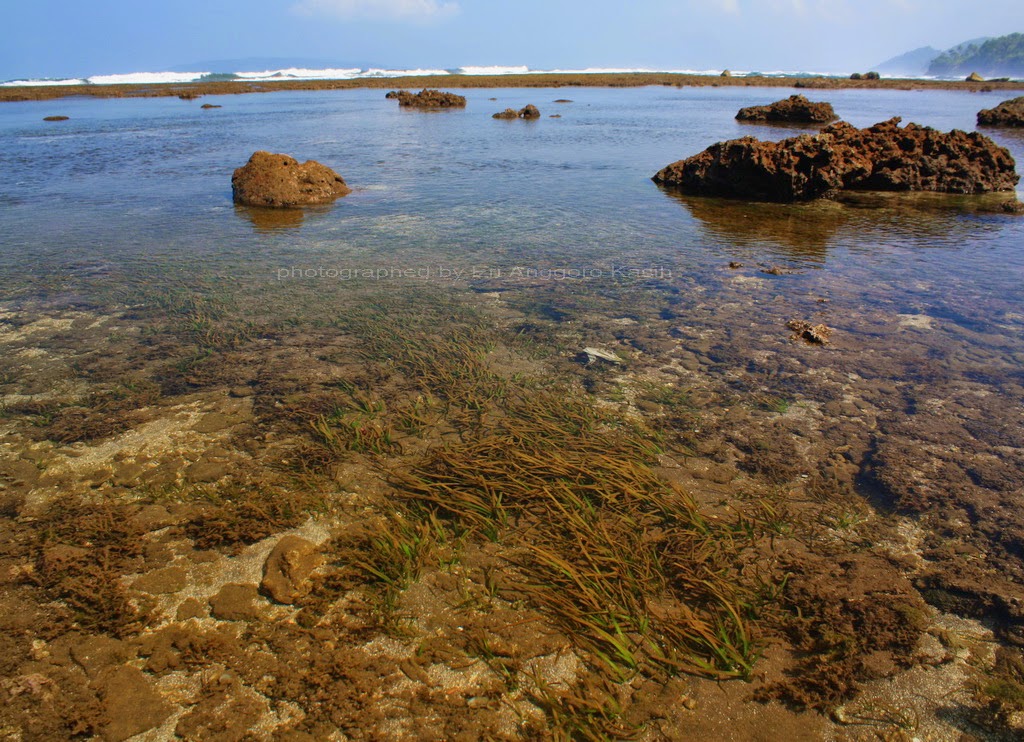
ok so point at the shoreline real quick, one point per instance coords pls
(540, 80)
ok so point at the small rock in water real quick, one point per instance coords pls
(287, 569)
(279, 181)
(734, 265)
(590, 355)
(56, 118)
(815, 334)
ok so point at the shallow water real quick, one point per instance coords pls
(133, 186)
(160, 342)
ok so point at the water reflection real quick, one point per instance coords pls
(859, 220)
(802, 231)
(271, 220)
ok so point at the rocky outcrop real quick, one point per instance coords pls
(794, 109)
(883, 157)
(280, 181)
(427, 99)
(975, 77)
(527, 112)
(1008, 113)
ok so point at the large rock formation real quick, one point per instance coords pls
(1008, 113)
(795, 109)
(883, 157)
(428, 99)
(280, 181)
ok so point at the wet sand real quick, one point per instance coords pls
(554, 80)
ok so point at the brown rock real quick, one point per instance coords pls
(96, 653)
(280, 181)
(190, 608)
(207, 471)
(235, 602)
(883, 157)
(286, 571)
(56, 118)
(428, 99)
(151, 518)
(975, 77)
(814, 334)
(130, 703)
(795, 108)
(1008, 113)
(162, 581)
(726, 73)
(208, 106)
(60, 557)
(508, 113)
(529, 112)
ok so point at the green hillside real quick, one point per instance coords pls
(999, 57)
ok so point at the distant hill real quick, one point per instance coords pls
(999, 57)
(911, 64)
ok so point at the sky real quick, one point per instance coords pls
(71, 38)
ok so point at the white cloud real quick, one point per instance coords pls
(728, 6)
(395, 10)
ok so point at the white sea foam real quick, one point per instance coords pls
(19, 83)
(524, 70)
(145, 78)
(403, 73)
(299, 73)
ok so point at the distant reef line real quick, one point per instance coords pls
(539, 80)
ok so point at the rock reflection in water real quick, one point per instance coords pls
(803, 231)
(806, 231)
(271, 220)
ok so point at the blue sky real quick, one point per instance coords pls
(56, 38)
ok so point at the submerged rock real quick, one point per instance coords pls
(795, 108)
(427, 99)
(1008, 113)
(208, 106)
(286, 571)
(589, 356)
(56, 118)
(883, 157)
(280, 181)
(814, 334)
(527, 112)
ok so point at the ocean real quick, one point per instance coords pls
(409, 376)
(356, 73)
